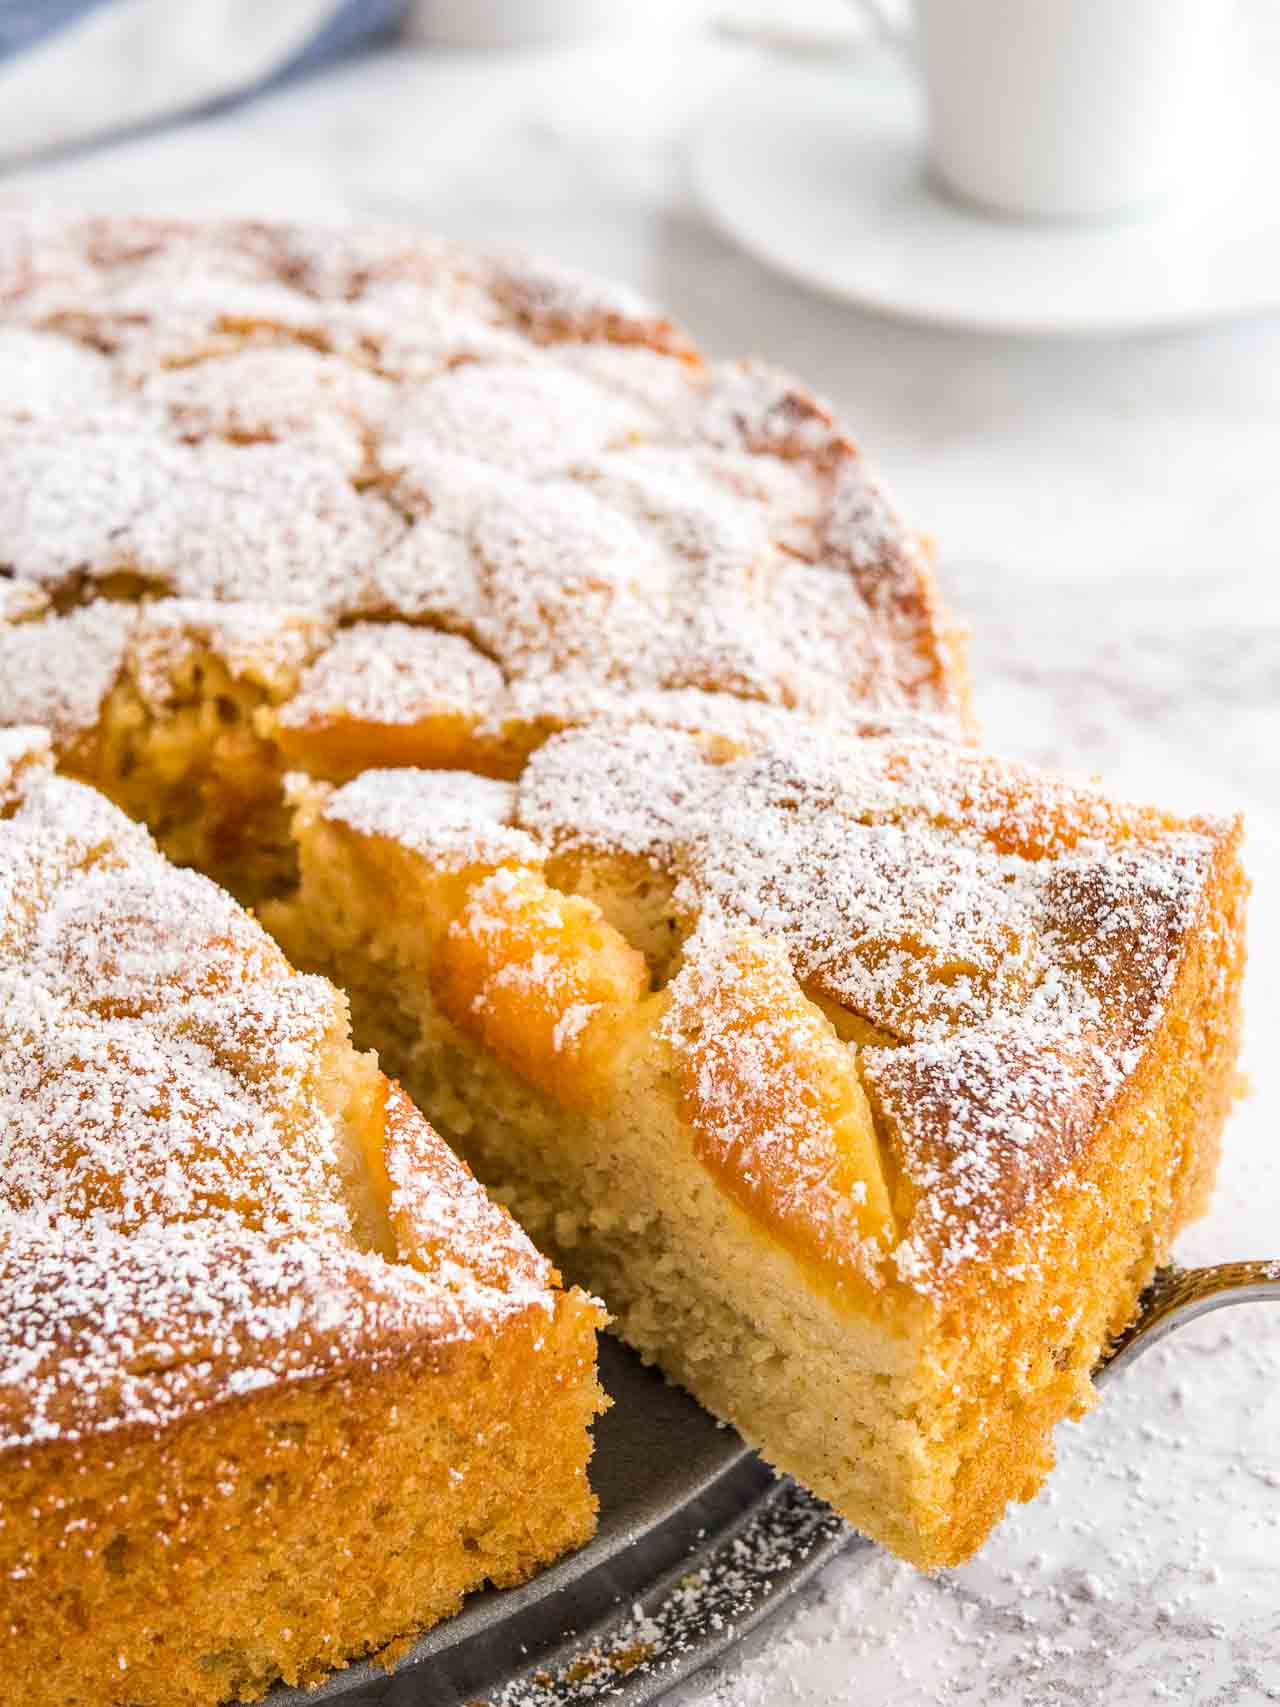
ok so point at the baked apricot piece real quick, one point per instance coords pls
(778, 1111)
(541, 979)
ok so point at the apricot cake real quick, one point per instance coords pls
(278, 1382)
(585, 709)
(275, 499)
(867, 1080)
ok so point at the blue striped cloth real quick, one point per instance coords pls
(76, 71)
(24, 22)
(342, 25)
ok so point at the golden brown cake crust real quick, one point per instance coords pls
(363, 1505)
(522, 494)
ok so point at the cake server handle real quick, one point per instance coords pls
(1177, 1296)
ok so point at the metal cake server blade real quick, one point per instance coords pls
(1177, 1296)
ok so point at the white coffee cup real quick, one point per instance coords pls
(1069, 109)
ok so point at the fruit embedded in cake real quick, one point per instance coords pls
(282, 500)
(868, 1080)
(279, 1384)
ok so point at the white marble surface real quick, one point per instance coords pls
(1109, 518)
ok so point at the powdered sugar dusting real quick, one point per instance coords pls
(175, 1221)
(768, 1084)
(1005, 965)
(42, 375)
(104, 1331)
(459, 1236)
(374, 426)
(22, 750)
(452, 818)
(267, 644)
(393, 673)
(555, 303)
(57, 672)
(732, 1577)
(292, 395)
(999, 941)
(20, 600)
(528, 419)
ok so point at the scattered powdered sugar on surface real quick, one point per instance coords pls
(571, 1023)
(528, 459)
(1143, 1573)
(1004, 939)
(728, 1580)
(553, 302)
(288, 395)
(1135, 1576)
(56, 674)
(20, 600)
(773, 1096)
(522, 419)
(42, 375)
(69, 491)
(460, 1235)
(106, 1330)
(174, 1217)
(258, 521)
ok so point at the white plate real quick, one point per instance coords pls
(819, 171)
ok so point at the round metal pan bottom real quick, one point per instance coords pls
(698, 1541)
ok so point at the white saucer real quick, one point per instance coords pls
(818, 171)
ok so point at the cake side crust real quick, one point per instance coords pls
(287, 1532)
(1017, 1337)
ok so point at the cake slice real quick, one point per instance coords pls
(274, 499)
(867, 1080)
(279, 1384)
